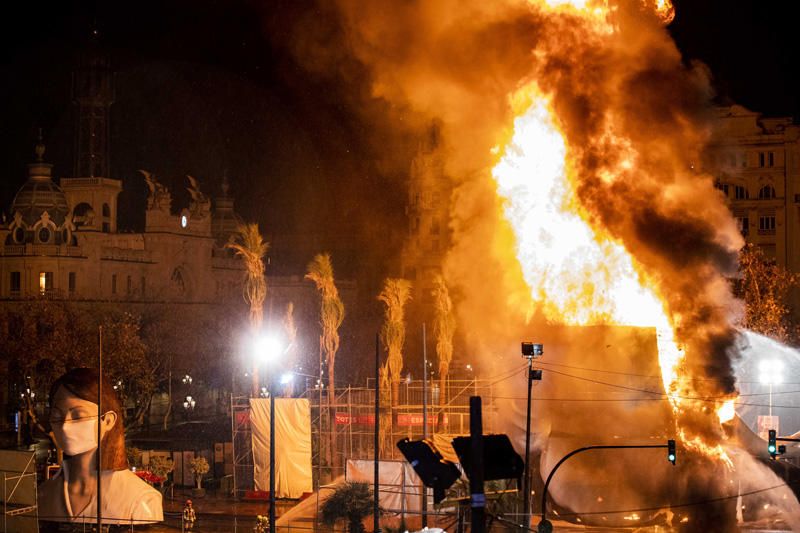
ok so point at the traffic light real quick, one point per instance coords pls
(671, 456)
(772, 446)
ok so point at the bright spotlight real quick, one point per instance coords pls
(287, 378)
(771, 372)
(267, 349)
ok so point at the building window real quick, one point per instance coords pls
(770, 159)
(766, 159)
(19, 235)
(71, 282)
(106, 227)
(16, 282)
(113, 284)
(44, 235)
(740, 192)
(45, 282)
(767, 192)
(743, 223)
(766, 225)
(724, 187)
(106, 210)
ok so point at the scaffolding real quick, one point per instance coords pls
(346, 429)
(19, 497)
(242, 439)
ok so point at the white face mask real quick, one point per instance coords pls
(77, 437)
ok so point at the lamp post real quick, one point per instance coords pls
(268, 350)
(530, 351)
(770, 373)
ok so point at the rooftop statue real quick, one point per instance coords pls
(159, 197)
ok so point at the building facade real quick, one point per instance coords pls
(756, 163)
(61, 241)
(428, 216)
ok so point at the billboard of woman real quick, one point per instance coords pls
(70, 496)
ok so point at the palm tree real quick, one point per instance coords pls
(444, 326)
(251, 247)
(352, 501)
(290, 329)
(320, 271)
(396, 292)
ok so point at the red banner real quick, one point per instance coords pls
(403, 419)
(344, 419)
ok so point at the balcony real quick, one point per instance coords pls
(41, 250)
(766, 231)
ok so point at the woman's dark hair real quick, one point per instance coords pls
(82, 382)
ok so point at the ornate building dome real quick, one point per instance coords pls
(40, 209)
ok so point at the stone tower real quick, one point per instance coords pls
(92, 95)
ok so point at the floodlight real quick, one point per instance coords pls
(532, 349)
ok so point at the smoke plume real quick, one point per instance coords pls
(634, 119)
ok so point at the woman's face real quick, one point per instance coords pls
(74, 422)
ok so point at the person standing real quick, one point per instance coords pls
(189, 516)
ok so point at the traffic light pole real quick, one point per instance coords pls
(526, 479)
(544, 525)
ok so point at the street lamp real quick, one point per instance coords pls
(189, 403)
(530, 350)
(771, 373)
(187, 379)
(269, 349)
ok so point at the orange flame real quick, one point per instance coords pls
(576, 274)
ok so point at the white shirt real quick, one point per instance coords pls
(125, 497)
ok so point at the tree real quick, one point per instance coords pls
(444, 327)
(320, 271)
(199, 467)
(350, 501)
(765, 288)
(290, 329)
(161, 467)
(41, 339)
(126, 364)
(396, 292)
(250, 246)
(197, 343)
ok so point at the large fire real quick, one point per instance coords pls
(577, 272)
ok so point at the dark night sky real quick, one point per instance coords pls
(204, 86)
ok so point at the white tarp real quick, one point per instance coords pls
(292, 446)
(397, 479)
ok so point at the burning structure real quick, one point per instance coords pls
(571, 134)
